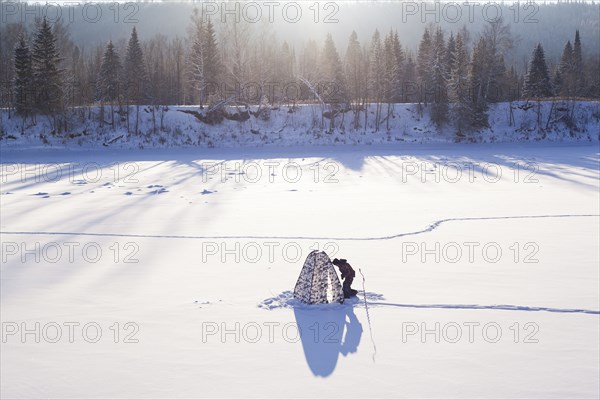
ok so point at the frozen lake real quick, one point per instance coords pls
(166, 273)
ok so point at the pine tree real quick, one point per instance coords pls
(593, 73)
(478, 84)
(284, 72)
(135, 71)
(284, 67)
(399, 66)
(197, 58)
(578, 68)
(110, 72)
(108, 78)
(212, 60)
(498, 40)
(23, 78)
(458, 85)
(498, 92)
(333, 73)
(376, 75)
(564, 79)
(392, 74)
(537, 80)
(46, 73)
(424, 57)
(135, 75)
(74, 77)
(205, 62)
(389, 69)
(308, 69)
(410, 85)
(355, 71)
(513, 85)
(439, 108)
(334, 88)
(450, 53)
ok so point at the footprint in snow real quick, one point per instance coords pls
(205, 302)
(65, 193)
(128, 193)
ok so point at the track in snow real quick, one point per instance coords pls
(429, 228)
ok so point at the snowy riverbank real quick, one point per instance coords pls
(560, 121)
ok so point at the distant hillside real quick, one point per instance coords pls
(531, 22)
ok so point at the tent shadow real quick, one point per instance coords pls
(325, 333)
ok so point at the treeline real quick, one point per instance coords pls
(453, 74)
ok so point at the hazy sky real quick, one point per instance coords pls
(94, 23)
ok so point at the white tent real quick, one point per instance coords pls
(318, 282)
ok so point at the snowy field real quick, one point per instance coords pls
(167, 273)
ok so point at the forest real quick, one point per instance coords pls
(456, 73)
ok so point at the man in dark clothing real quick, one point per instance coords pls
(347, 275)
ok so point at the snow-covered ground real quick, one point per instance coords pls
(168, 272)
(179, 126)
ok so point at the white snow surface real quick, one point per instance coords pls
(220, 236)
